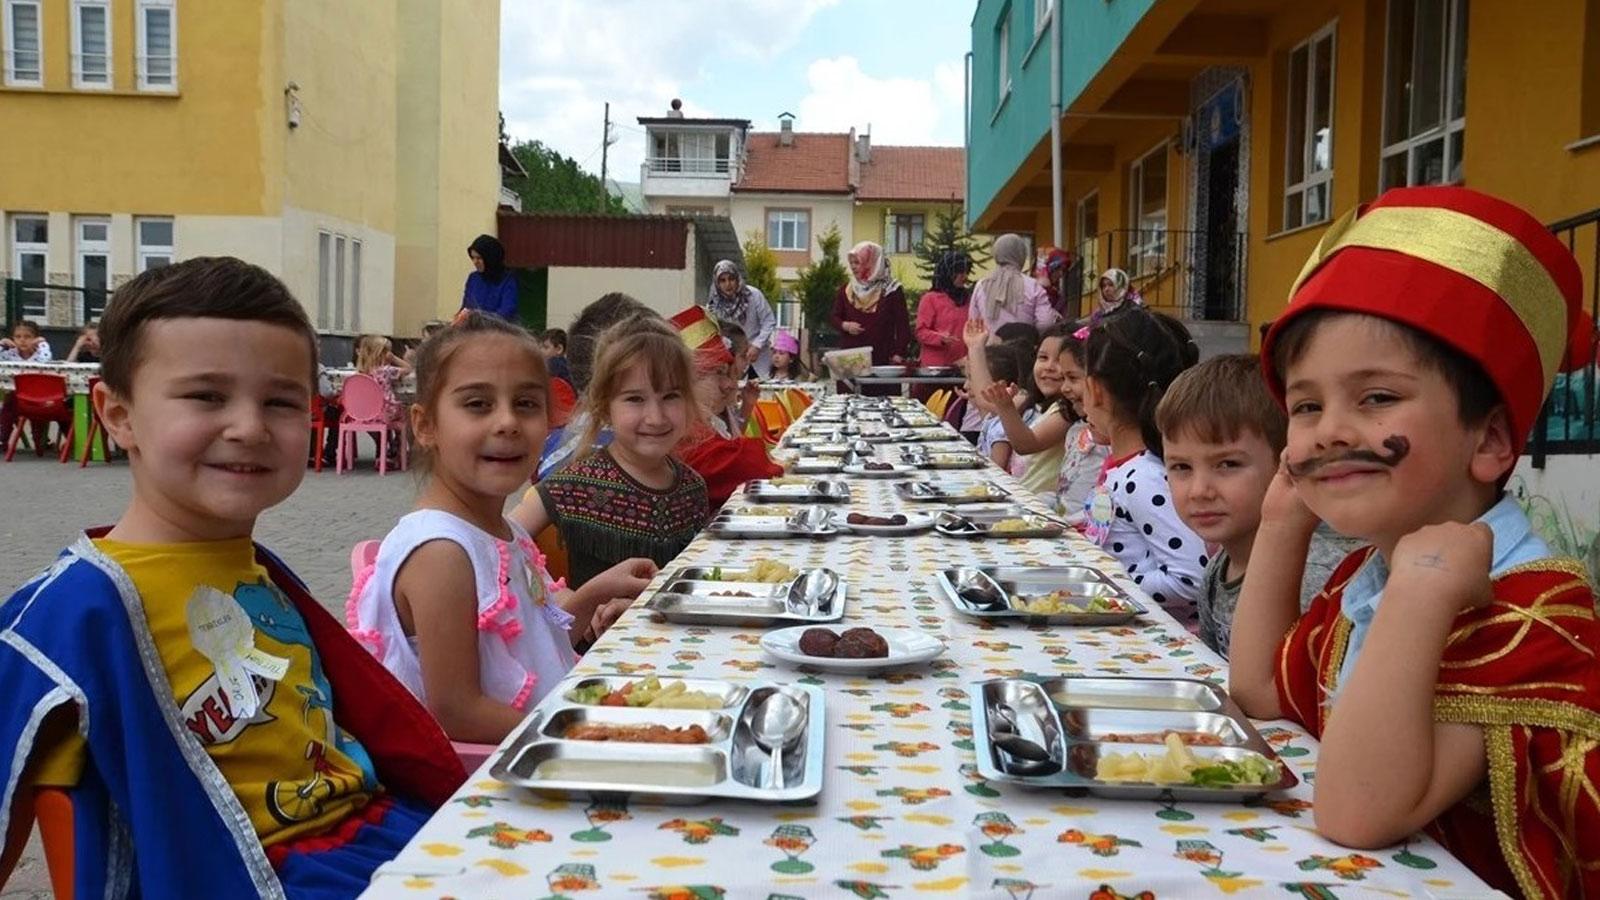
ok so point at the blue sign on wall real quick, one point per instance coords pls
(1218, 119)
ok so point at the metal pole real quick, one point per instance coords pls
(1057, 226)
(605, 151)
(966, 140)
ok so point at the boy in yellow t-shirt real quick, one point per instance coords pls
(176, 680)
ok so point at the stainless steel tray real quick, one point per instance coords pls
(934, 492)
(718, 595)
(817, 465)
(890, 371)
(1083, 584)
(979, 524)
(819, 491)
(923, 458)
(1071, 719)
(813, 438)
(808, 522)
(731, 765)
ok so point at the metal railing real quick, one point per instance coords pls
(686, 165)
(1567, 424)
(1194, 275)
(62, 306)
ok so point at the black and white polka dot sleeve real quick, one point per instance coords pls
(1162, 555)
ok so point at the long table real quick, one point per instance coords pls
(77, 376)
(903, 811)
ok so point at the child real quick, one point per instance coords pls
(458, 604)
(86, 349)
(633, 497)
(786, 365)
(1222, 434)
(26, 344)
(1084, 456)
(553, 343)
(177, 680)
(1003, 365)
(375, 357)
(1041, 437)
(723, 460)
(1449, 670)
(1132, 357)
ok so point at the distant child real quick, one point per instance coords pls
(1023, 333)
(1449, 670)
(1003, 364)
(1131, 359)
(742, 402)
(1222, 434)
(786, 365)
(375, 356)
(26, 344)
(458, 604)
(176, 679)
(1039, 431)
(723, 458)
(86, 349)
(632, 498)
(583, 340)
(1084, 456)
(554, 344)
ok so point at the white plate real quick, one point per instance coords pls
(900, 470)
(915, 522)
(907, 646)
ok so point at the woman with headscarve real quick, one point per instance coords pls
(942, 312)
(1010, 293)
(490, 288)
(870, 311)
(1115, 293)
(732, 300)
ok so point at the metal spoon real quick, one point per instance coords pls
(809, 590)
(1029, 757)
(950, 521)
(778, 723)
(976, 587)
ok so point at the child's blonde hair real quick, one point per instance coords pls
(647, 339)
(372, 351)
(437, 352)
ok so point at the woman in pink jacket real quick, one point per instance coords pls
(1010, 293)
(942, 311)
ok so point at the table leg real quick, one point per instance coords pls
(81, 416)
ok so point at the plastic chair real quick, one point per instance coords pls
(362, 399)
(773, 420)
(52, 809)
(319, 429)
(555, 552)
(800, 399)
(96, 428)
(563, 400)
(41, 399)
(939, 401)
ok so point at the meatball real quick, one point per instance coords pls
(861, 643)
(818, 642)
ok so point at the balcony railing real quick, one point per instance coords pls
(72, 307)
(681, 165)
(1194, 275)
(1567, 424)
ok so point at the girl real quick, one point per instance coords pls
(1010, 293)
(632, 497)
(724, 460)
(375, 357)
(1040, 436)
(870, 311)
(1131, 359)
(1085, 454)
(732, 301)
(457, 603)
(1003, 362)
(786, 364)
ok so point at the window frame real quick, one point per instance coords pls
(1041, 15)
(1452, 84)
(1309, 180)
(916, 224)
(145, 252)
(1138, 249)
(324, 279)
(80, 80)
(82, 248)
(802, 217)
(1002, 55)
(142, 43)
(10, 50)
(355, 285)
(19, 248)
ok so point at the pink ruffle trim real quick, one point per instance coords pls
(520, 701)
(371, 639)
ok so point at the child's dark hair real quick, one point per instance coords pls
(733, 335)
(29, 324)
(1010, 361)
(1012, 332)
(437, 352)
(205, 287)
(1061, 331)
(555, 337)
(1134, 356)
(584, 335)
(1476, 395)
(1220, 399)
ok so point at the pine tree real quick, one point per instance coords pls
(818, 283)
(761, 267)
(949, 232)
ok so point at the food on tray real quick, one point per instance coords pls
(1191, 738)
(789, 481)
(732, 594)
(762, 570)
(648, 693)
(951, 459)
(1058, 602)
(1179, 766)
(876, 521)
(977, 490)
(878, 467)
(635, 734)
(766, 511)
(1126, 701)
(1006, 526)
(854, 643)
(628, 771)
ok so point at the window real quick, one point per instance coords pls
(355, 285)
(1002, 56)
(789, 229)
(339, 241)
(158, 45)
(1088, 225)
(338, 282)
(1425, 93)
(906, 232)
(1041, 14)
(1589, 113)
(24, 60)
(30, 261)
(154, 238)
(688, 210)
(91, 44)
(1308, 152)
(1147, 212)
(93, 273)
(691, 152)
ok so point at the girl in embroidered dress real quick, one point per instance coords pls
(458, 604)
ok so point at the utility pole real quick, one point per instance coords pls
(605, 150)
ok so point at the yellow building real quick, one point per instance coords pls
(901, 193)
(348, 147)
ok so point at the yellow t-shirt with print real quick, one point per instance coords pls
(292, 768)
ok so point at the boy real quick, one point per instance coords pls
(220, 735)
(26, 344)
(1222, 433)
(554, 344)
(1450, 669)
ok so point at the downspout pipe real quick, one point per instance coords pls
(1057, 201)
(966, 140)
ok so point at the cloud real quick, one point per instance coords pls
(561, 60)
(899, 110)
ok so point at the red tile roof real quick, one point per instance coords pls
(814, 164)
(913, 173)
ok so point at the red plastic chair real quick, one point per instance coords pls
(319, 428)
(364, 411)
(97, 428)
(42, 399)
(563, 399)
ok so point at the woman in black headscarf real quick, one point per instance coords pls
(490, 288)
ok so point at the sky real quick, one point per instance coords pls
(892, 65)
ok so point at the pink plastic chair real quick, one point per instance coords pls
(362, 557)
(362, 399)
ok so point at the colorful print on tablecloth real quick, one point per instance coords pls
(1350, 867)
(685, 892)
(601, 813)
(571, 877)
(1098, 844)
(899, 710)
(479, 801)
(1413, 860)
(503, 836)
(1016, 888)
(1282, 741)
(1310, 890)
(866, 823)
(866, 890)
(924, 859)
(699, 831)
(954, 698)
(914, 796)
(963, 732)
(792, 841)
(977, 786)
(1107, 892)
(906, 749)
(997, 826)
(1259, 835)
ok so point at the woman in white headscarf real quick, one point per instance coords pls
(1010, 293)
(1115, 292)
(870, 311)
(732, 300)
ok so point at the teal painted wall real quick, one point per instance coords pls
(1091, 31)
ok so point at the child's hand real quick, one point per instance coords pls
(1282, 504)
(975, 333)
(852, 327)
(607, 614)
(7, 344)
(1453, 558)
(628, 578)
(999, 395)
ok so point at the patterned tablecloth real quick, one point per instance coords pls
(903, 812)
(77, 374)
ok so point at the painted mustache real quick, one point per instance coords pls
(1397, 445)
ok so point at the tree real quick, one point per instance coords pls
(556, 183)
(819, 282)
(761, 267)
(949, 232)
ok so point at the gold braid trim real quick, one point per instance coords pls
(1559, 565)
(1503, 793)
(1338, 646)
(1532, 712)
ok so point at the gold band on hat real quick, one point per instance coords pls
(700, 332)
(1469, 247)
